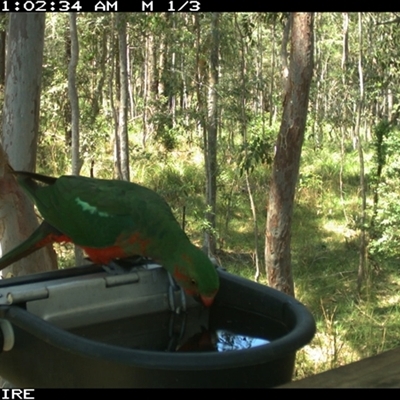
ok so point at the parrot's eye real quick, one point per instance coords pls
(193, 282)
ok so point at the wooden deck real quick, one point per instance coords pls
(381, 371)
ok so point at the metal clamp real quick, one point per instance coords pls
(176, 296)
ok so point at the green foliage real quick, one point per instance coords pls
(379, 143)
(257, 150)
(385, 229)
(165, 133)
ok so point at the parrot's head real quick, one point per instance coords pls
(196, 275)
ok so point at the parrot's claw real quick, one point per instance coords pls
(114, 269)
(125, 265)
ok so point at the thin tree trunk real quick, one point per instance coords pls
(287, 157)
(132, 106)
(255, 228)
(98, 92)
(74, 101)
(123, 101)
(211, 140)
(114, 128)
(342, 161)
(173, 73)
(146, 89)
(201, 82)
(363, 239)
(73, 95)
(243, 124)
(345, 50)
(272, 86)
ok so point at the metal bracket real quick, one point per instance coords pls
(176, 296)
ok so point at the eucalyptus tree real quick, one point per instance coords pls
(286, 164)
(19, 137)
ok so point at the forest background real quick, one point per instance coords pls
(142, 115)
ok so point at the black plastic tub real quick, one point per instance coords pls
(85, 328)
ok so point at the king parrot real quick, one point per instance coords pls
(112, 219)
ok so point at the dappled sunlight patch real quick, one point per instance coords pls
(393, 300)
(388, 293)
(65, 255)
(326, 351)
(339, 230)
(197, 158)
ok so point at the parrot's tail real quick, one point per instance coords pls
(28, 180)
(43, 235)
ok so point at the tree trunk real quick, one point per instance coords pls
(363, 239)
(114, 127)
(287, 157)
(74, 101)
(123, 100)
(73, 95)
(146, 89)
(271, 105)
(243, 128)
(19, 138)
(23, 84)
(345, 50)
(210, 149)
(284, 55)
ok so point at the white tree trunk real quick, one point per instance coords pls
(19, 138)
(73, 95)
(123, 97)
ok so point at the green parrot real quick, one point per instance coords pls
(111, 219)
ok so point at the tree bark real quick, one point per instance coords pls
(73, 95)
(210, 149)
(362, 266)
(23, 84)
(123, 100)
(345, 50)
(74, 101)
(19, 138)
(114, 127)
(287, 157)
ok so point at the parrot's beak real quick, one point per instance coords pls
(207, 300)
